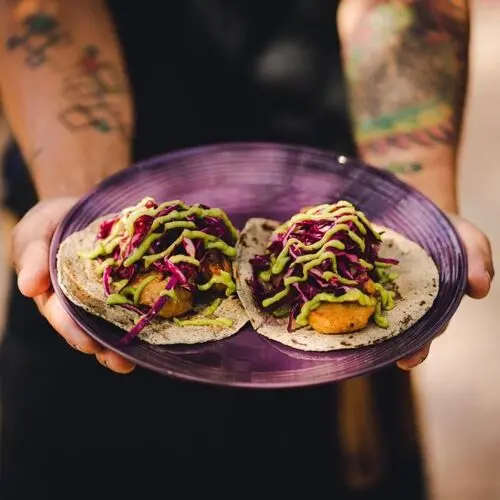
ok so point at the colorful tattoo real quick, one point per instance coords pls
(404, 168)
(89, 91)
(406, 68)
(41, 31)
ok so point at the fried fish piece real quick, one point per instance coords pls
(342, 317)
(174, 307)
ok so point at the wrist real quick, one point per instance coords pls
(74, 174)
(434, 175)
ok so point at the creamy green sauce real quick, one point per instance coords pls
(353, 295)
(223, 278)
(169, 293)
(339, 214)
(123, 230)
(212, 307)
(140, 288)
(209, 242)
(116, 298)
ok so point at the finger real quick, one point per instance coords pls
(415, 359)
(33, 269)
(67, 328)
(52, 309)
(31, 242)
(480, 263)
(115, 362)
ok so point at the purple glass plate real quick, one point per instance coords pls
(273, 181)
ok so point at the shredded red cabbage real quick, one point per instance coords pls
(144, 321)
(142, 226)
(105, 228)
(308, 232)
(182, 275)
(128, 273)
(131, 307)
(217, 228)
(106, 280)
(166, 267)
(167, 210)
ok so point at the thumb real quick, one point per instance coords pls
(31, 242)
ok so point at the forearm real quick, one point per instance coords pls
(406, 65)
(64, 92)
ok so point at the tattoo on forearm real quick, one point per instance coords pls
(40, 31)
(89, 91)
(407, 70)
(404, 168)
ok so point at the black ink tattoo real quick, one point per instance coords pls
(89, 90)
(41, 32)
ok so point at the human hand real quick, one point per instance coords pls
(481, 273)
(30, 248)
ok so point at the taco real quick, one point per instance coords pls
(328, 279)
(161, 272)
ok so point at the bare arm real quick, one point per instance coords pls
(65, 92)
(406, 65)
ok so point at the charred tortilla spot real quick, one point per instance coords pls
(243, 240)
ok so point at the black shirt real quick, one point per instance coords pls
(207, 71)
(202, 71)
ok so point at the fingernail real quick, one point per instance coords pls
(422, 359)
(418, 362)
(488, 275)
(76, 347)
(103, 362)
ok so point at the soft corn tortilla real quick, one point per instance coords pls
(418, 285)
(79, 281)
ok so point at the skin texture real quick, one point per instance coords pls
(65, 92)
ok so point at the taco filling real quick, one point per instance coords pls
(322, 269)
(169, 261)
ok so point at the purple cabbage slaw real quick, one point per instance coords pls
(182, 274)
(308, 232)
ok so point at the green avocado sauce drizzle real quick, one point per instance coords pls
(339, 214)
(123, 230)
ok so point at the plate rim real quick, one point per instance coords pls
(452, 235)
